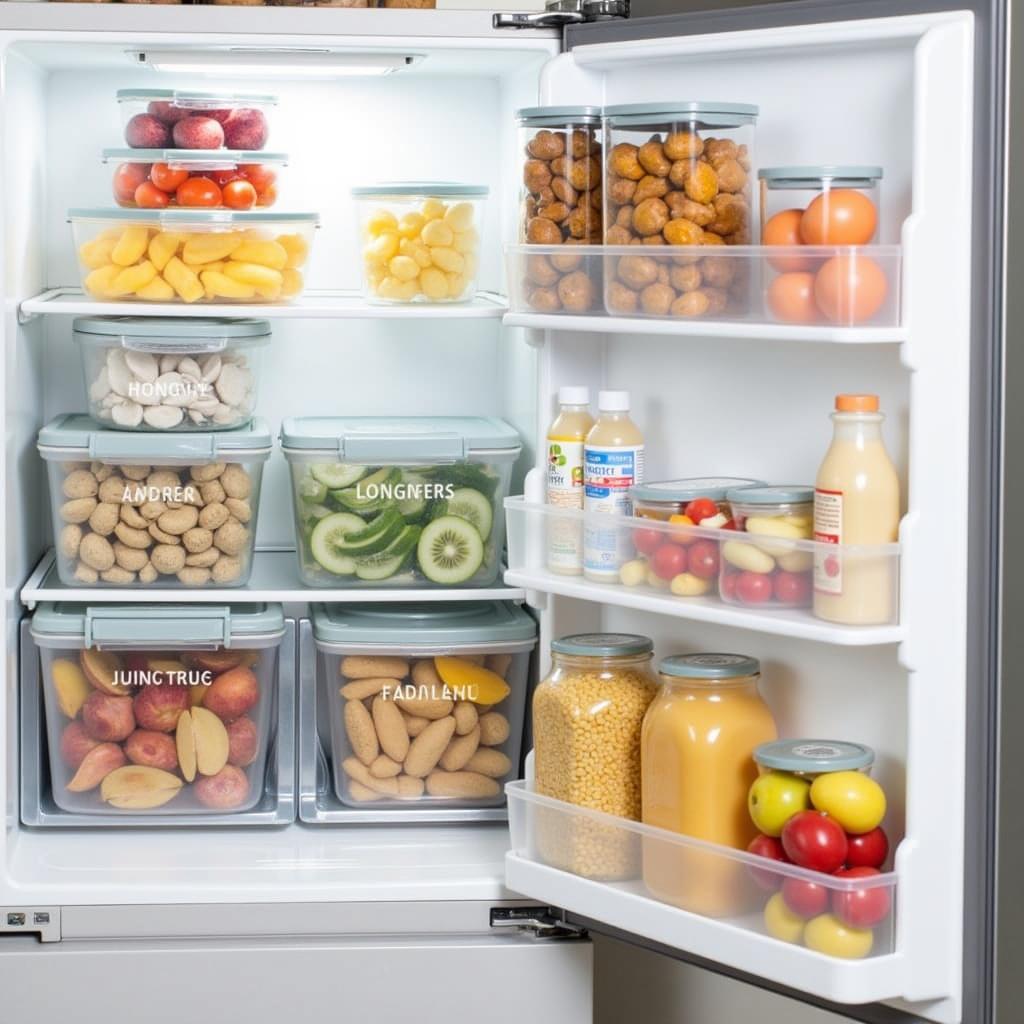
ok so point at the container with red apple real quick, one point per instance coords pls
(819, 817)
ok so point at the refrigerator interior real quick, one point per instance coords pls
(721, 405)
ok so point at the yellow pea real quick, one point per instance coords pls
(456, 285)
(417, 250)
(633, 573)
(434, 283)
(297, 248)
(437, 233)
(405, 268)
(270, 254)
(380, 221)
(100, 281)
(208, 248)
(411, 224)
(131, 246)
(688, 585)
(183, 280)
(459, 217)
(162, 246)
(384, 246)
(291, 282)
(399, 291)
(158, 290)
(466, 241)
(448, 259)
(96, 254)
(131, 279)
(253, 273)
(433, 209)
(222, 286)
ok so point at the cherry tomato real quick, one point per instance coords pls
(771, 848)
(669, 560)
(727, 586)
(791, 298)
(868, 850)
(861, 908)
(222, 177)
(261, 176)
(703, 559)
(199, 192)
(127, 178)
(806, 899)
(149, 197)
(268, 196)
(167, 179)
(850, 288)
(239, 195)
(784, 229)
(841, 216)
(792, 587)
(647, 541)
(753, 587)
(701, 508)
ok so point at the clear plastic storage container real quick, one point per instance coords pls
(158, 711)
(157, 373)
(156, 178)
(420, 240)
(192, 256)
(399, 502)
(425, 702)
(766, 568)
(170, 118)
(664, 499)
(164, 510)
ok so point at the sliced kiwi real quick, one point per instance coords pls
(327, 535)
(450, 550)
(474, 507)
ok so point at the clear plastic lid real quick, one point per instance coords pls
(424, 189)
(603, 645)
(192, 100)
(690, 488)
(782, 494)
(170, 334)
(557, 117)
(702, 114)
(811, 176)
(814, 756)
(195, 159)
(200, 218)
(710, 666)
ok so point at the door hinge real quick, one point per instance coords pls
(540, 922)
(41, 921)
(558, 13)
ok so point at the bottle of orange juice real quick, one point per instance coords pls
(565, 478)
(856, 502)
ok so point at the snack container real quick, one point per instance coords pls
(192, 256)
(171, 373)
(663, 499)
(425, 702)
(399, 502)
(157, 178)
(158, 711)
(809, 758)
(148, 509)
(172, 118)
(420, 240)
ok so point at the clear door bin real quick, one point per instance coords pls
(426, 702)
(146, 509)
(420, 240)
(181, 373)
(853, 917)
(170, 118)
(403, 502)
(158, 711)
(192, 256)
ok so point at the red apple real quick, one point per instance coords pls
(770, 847)
(868, 850)
(861, 908)
(668, 561)
(806, 899)
(814, 840)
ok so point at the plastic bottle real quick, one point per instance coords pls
(856, 502)
(566, 436)
(613, 462)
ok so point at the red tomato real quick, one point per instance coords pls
(784, 229)
(647, 541)
(199, 192)
(149, 197)
(261, 176)
(814, 840)
(868, 850)
(669, 560)
(790, 298)
(805, 899)
(703, 559)
(268, 196)
(222, 177)
(727, 585)
(861, 908)
(127, 178)
(792, 587)
(753, 587)
(701, 508)
(850, 288)
(239, 195)
(729, 525)
(167, 179)
(841, 216)
(770, 847)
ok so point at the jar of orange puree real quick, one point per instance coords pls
(697, 766)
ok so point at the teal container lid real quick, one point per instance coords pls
(170, 329)
(812, 756)
(407, 624)
(837, 175)
(441, 189)
(205, 159)
(370, 439)
(154, 625)
(77, 436)
(710, 666)
(781, 494)
(202, 218)
(196, 100)
(654, 116)
(553, 117)
(690, 488)
(603, 645)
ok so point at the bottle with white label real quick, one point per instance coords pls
(856, 502)
(565, 478)
(613, 462)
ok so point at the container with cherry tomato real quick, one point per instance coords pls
(770, 561)
(824, 217)
(817, 810)
(153, 179)
(683, 560)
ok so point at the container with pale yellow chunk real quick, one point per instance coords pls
(210, 256)
(420, 240)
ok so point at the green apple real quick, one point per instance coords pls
(774, 798)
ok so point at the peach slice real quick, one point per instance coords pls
(96, 766)
(70, 685)
(472, 682)
(106, 718)
(100, 668)
(139, 788)
(232, 694)
(225, 790)
(202, 743)
(75, 743)
(155, 749)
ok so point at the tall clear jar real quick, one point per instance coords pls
(699, 736)
(587, 716)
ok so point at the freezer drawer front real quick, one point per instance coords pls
(431, 980)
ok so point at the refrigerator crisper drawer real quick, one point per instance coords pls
(163, 715)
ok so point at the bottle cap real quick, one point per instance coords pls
(573, 395)
(613, 401)
(856, 403)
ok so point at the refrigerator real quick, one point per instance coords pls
(450, 921)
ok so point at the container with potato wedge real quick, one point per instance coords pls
(425, 702)
(160, 714)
